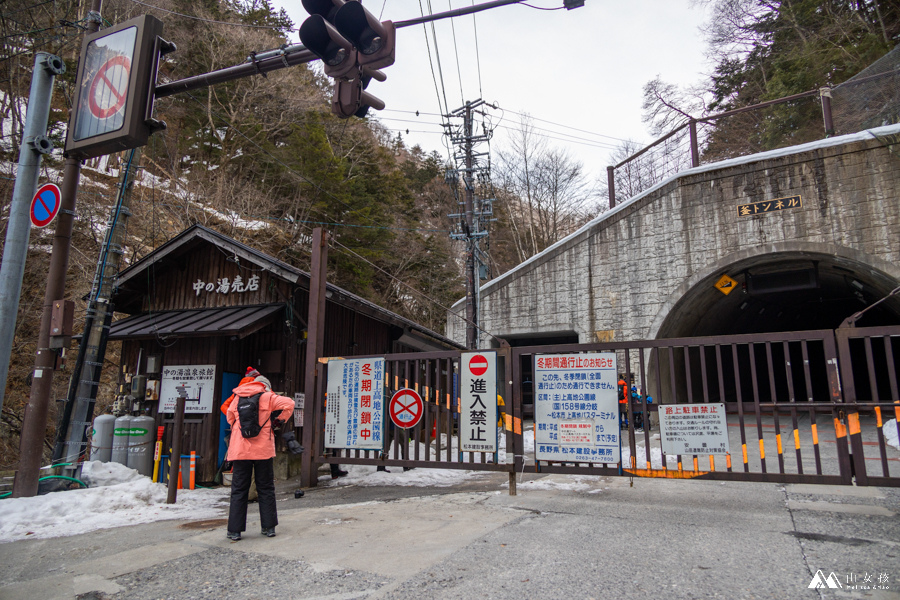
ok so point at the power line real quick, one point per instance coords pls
(548, 135)
(407, 286)
(416, 112)
(477, 53)
(437, 56)
(462, 96)
(566, 126)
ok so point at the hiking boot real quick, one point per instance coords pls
(269, 532)
(338, 473)
(234, 536)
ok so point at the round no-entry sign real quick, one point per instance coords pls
(406, 408)
(109, 88)
(45, 205)
(478, 365)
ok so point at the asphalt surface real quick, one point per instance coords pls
(601, 538)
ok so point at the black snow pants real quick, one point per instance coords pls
(242, 473)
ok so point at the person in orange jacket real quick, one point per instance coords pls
(254, 457)
(249, 376)
(623, 400)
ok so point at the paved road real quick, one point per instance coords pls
(558, 538)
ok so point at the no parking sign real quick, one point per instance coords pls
(45, 205)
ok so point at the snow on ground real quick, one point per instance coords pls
(118, 496)
(890, 434)
(571, 483)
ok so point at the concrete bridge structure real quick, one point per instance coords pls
(807, 236)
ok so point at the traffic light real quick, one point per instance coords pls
(114, 86)
(353, 44)
(350, 98)
(322, 39)
(374, 40)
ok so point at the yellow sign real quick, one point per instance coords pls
(755, 208)
(725, 284)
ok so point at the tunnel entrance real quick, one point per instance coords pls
(790, 291)
(774, 293)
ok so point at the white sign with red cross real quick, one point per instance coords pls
(109, 88)
(478, 402)
(406, 408)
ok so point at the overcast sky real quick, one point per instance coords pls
(583, 69)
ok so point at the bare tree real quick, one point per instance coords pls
(547, 192)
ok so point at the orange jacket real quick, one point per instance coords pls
(262, 446)
(231, 398)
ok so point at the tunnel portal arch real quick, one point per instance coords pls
(787, 288)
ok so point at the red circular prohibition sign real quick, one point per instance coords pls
(119, 96)
(45, 205)
(478, 365)
(406, 408)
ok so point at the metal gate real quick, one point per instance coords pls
(802, 407)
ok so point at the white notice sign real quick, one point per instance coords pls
(354, 410)
(198, 381)
(576, 410)
(478, 402)
(693, 429)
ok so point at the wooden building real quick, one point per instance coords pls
(203, 307)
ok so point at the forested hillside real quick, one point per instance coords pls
(261, 159)
(761, 50)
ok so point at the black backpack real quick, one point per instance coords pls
(248, 415)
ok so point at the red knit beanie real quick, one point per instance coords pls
(251, 372)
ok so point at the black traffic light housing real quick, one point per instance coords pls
(322, 39)
(353, 44)
(114, 88)
(375, 41)
(350, 98)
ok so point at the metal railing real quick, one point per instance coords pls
(801, 407)
(870, 99)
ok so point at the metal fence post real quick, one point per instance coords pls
(611, 184)
(825, 95)
(695, 152)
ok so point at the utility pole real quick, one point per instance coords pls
(79, 408)
(35, 420)
(472, 223)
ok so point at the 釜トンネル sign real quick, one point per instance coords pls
(199, 382)
(576, 411)
(478, 402)
(354, 410)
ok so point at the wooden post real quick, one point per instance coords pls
(175, 453)
(315, 342)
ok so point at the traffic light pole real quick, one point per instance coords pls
(34, 422)
(18, 230)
